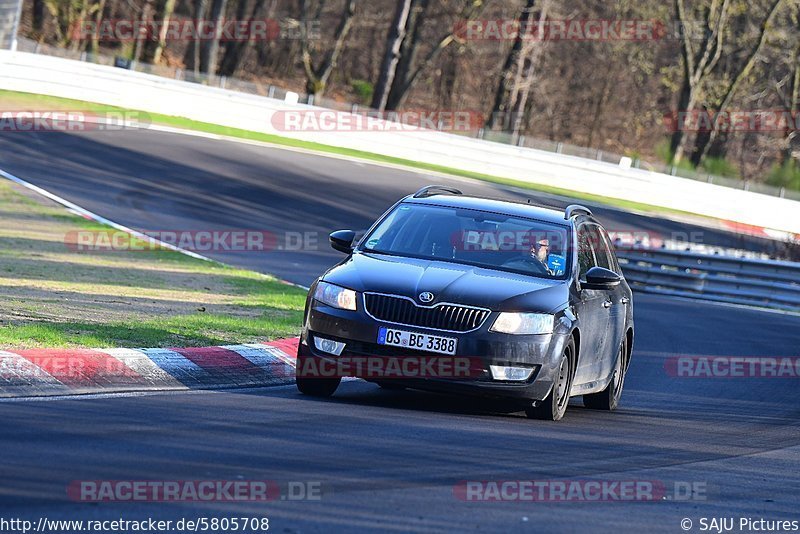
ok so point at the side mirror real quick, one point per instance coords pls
(342, 240)
(602, 279)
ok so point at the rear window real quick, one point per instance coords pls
(474, 237)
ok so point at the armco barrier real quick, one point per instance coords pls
(773, 284)
(102, 84)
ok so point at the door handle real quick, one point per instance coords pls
(625, 300)
(607, 304)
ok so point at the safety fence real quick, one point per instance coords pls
(753, 282)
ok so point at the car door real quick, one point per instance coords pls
(592, 311)
(616, 301)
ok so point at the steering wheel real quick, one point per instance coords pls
(528, 263)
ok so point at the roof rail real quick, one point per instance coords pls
(430, 190)
(576, 209)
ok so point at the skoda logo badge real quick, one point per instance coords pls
(426, 297)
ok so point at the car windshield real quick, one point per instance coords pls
(479, 238)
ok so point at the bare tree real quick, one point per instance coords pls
(67, 14)
(513, 91)
(235, 50)
(793, 106)
(697, 62)
(411, 64)
(139, 44)
(192, 56)
(39, 9)
(318, 75)
(741, 72)
(394, 43)
(94, 43)
(154, 46)
(209, 49)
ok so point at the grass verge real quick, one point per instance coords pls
(52, 295)
(12, 100)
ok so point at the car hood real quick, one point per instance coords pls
(449, 282)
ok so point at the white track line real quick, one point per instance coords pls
(83, 212)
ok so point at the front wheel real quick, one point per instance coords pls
(554, 406)
(608, 399)
(318, 387)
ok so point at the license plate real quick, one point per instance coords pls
(414, 340)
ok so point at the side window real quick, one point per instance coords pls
(601, 252)
(611, 251)
(586, 258)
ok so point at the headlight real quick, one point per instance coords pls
(335, 296)
(524, 323)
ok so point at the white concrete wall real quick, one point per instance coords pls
(107, 85)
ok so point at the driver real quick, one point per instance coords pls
(541, 250)
(535, 259)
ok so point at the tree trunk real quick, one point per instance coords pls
(509, 76)
(794, 109)
(684, 96)
(192, 57)
(317, 77)
(744, 71)
(683, 139)
(147, 11)
(702, 139)
(154, 46)
(409, 51)
(93, 46)
(409, 68)
(397, 34)
(530, 58)
(166, 16)
(38, 16)
(235, 50)
(209, 49)
(697, 64)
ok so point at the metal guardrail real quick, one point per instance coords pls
(765, 283)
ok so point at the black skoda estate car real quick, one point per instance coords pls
(531, 300)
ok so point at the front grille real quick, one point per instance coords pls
(440, 317)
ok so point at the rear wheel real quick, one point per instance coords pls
(608, 399)
(554, 406)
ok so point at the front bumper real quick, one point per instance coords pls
(480, 348)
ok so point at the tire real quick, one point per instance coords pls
(317, 387)
(555, 405)
(608, 399)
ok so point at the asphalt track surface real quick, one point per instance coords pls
(388, 460)
(155, 181)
